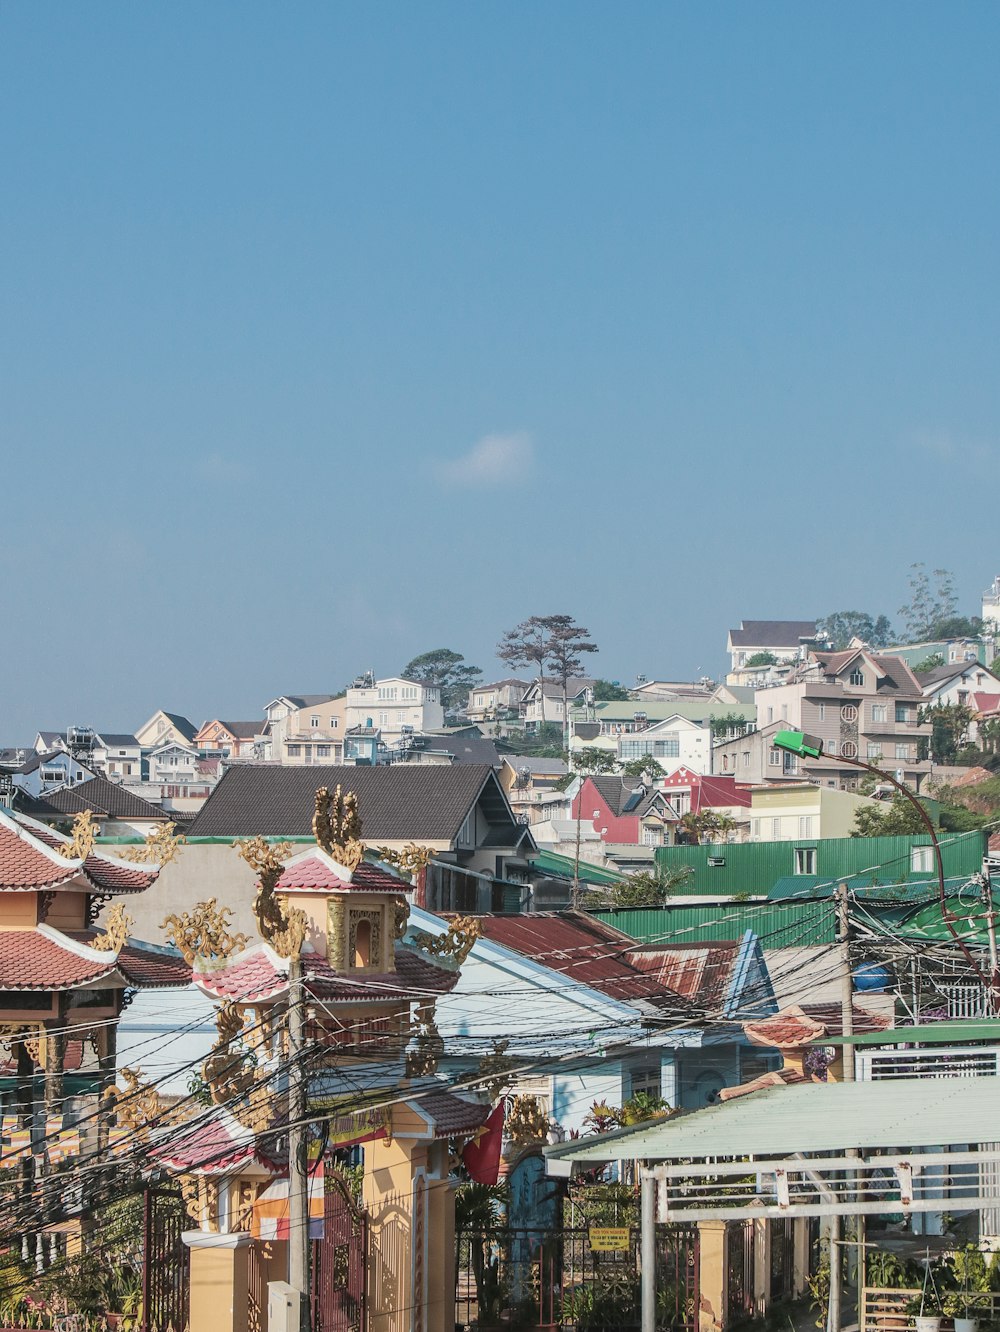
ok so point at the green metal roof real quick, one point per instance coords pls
(811, 1117)
(932, 1033)
(778, 925)
(918, 891)
(562, 867)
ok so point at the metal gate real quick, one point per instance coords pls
(339, 1294)
(166, 1262)
(556, 1279)
(782, 1285)
(740, 1263)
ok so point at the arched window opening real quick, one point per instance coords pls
(363, 943)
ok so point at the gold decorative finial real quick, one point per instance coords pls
(410, 859)
(203, 932)
(337, 826)
(81, 841)
(456, 942)
(159, 848)
(116, 931)
(283, 928)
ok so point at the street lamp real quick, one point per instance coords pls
(811, 746)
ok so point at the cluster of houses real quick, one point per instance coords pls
(461, 933)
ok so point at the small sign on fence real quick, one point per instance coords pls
(609, 1239)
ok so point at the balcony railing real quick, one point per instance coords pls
(950, 1061)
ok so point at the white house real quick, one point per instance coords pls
(394, 706)
(50, 771)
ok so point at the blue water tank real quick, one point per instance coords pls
(872, 978)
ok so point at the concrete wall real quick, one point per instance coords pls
(201, 870)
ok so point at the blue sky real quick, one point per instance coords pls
(334, 333)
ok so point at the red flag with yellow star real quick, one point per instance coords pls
(481, 1154)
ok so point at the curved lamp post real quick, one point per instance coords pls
(811, 746)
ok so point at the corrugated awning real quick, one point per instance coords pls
(931, 1033)
(812, 1117)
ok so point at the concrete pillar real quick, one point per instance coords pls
(713, 1284)
(800, 1275)
(761, 1266)
(220, 1281)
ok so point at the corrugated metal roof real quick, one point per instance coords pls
(931, 1033)
(811, 1117)
(778, 926)
(563, 867)
(754, 867)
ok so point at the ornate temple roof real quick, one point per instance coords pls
(316, 871)
(214, 1145)
(31, 861)
(44, 959)
(259, 974)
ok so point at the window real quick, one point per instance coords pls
(902, 712)
(776, 830)
(322, 751)
(857, 677)
(755, 827)
(294, 751)
(313, 721)
(409, 691)
(904, 752)
(774, 758)
(880, 712)
(874, 749)
(362, 943)
(681, 801)
(830, 747)
(652, 836)
(805, 860)
(805, 825)
(822, 712)
(387, 694)
(849, 749)
(334, 723)
(668, 747)
(922, 859)
(383, 719)
(848, 713)
(122, 753)
(789, 764)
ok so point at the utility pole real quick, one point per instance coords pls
(298, 1172)
(647, 1249)
(846, 980)
(993, 993)
(576, 861)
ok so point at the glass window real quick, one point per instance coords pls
(313, 721)
(849, 749)
(805, 860)
(849, 713)
(294, 751)
(822, 712)
(746, 758)
(902, 712)
(922, 859)
(857, 677)
(774, 758)
(903, 752)
(874, 749)
(776, 829)
(880, 712)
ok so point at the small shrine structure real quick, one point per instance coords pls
(369, 1056)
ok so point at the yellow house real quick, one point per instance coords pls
(803, 810)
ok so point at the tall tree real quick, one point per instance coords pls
(554, 641)
(839, 627)
(607, 691)
(929, 603)
(446, 669)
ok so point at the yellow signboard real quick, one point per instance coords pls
(609, 1239)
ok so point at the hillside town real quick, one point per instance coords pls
(547, 1000)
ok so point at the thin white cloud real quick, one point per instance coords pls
(494, 460)
(947, 447)
(219, 467)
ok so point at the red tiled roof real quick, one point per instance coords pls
(801, 1024)
(44, 959)
(25, 865)
(259, 974)
(779, 1077)
(581, 948)
(986, 702)
(146, 968)
(697, 972)
(317, 872)
(106, 874)
(214, 1145)
(451, 1114)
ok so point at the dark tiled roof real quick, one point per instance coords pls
(113, 741)
(465, 748)
(397, 802)
(617, 792)
(186, 727)
(309, 700)
(245, 730)
(946, 672)
(103, 797)
(772, 633)
(35, 761)
(538, 767)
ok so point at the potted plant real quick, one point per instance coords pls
(964, 1307)
(926, 1308)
